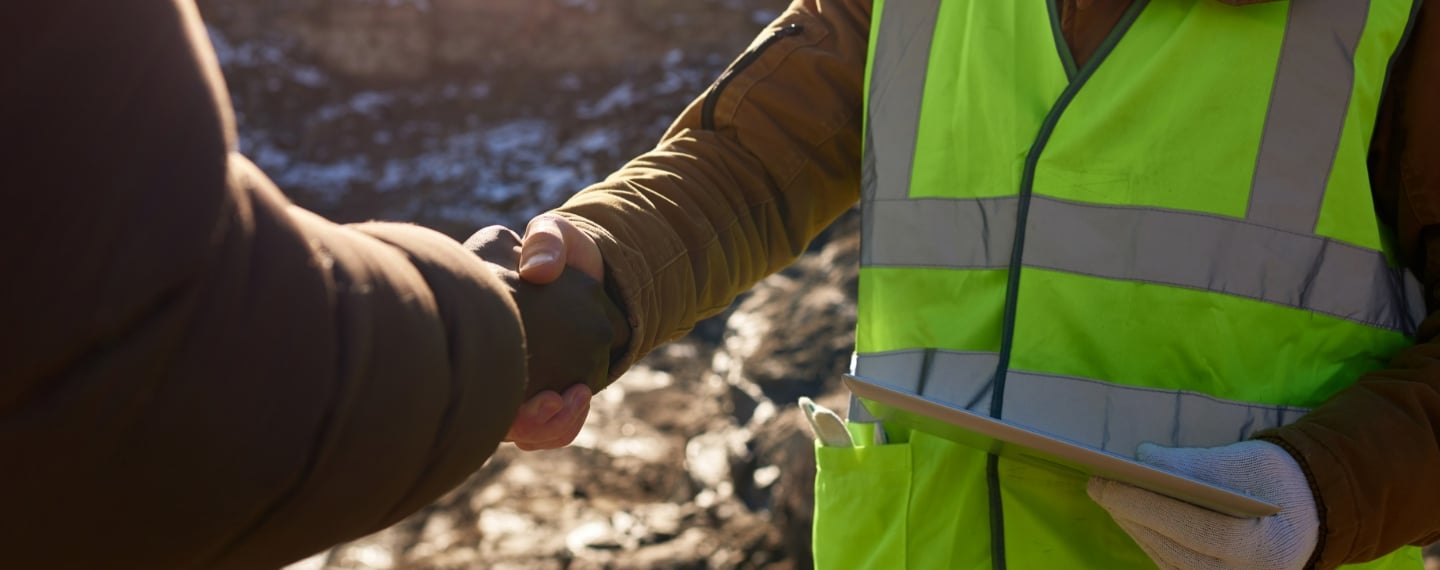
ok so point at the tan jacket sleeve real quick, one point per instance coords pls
(744, 179)
(1373, 450)
(195, 373)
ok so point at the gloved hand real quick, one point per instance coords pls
(570, 331)
(1178, 535)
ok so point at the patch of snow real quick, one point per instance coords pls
(223, 50)
(672, 83)
(474, 171)
(672, 58)
(494, 191)
(366, 103)
(246, 54)
(620, 98)
(309, 76)
(479, 215)
(594, 141)
(330, 180)
(516, 135)
(264, 154)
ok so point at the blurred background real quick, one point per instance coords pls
(456, 114)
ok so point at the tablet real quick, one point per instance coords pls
(897, 407)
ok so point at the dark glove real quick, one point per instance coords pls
(569, 323)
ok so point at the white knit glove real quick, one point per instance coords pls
(1178, 535)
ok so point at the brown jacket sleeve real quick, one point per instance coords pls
(1373, 450)
(194, 373)
(736, 189)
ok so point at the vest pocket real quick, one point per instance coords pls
(862, 497)
(920, 503)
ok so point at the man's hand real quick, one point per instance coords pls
(551, 244)
(570, 331)
(550, 420)
(1178, 535)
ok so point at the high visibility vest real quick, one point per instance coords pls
(1174, 243)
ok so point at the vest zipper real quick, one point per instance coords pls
(1012, 286)
(707, 109)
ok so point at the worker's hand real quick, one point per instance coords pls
(1178, 535)
(568, 338)
(551, 244)
(550, 420)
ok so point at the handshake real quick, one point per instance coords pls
(572, 328)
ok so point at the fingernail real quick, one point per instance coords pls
(536, 259)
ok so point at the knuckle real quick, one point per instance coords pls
(548, 223)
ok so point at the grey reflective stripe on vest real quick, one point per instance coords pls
(1077, 408)
(902, 54)
(1187, 249)
(1307, 112)
(1302, 130)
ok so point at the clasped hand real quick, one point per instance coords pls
(571, 326)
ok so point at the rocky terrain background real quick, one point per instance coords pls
(457, 114)
(454, 113)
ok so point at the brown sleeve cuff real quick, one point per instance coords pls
(1273, 436)
(1370, 454)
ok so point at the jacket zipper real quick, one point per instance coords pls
(707, 110)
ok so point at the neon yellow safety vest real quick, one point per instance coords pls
(1174, 243)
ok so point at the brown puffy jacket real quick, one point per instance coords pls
(193, 372)
(756, 167)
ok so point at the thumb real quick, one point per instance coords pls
(551, 243)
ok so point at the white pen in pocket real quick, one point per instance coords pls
(829, 428)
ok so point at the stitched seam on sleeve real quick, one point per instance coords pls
(1349, 495)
